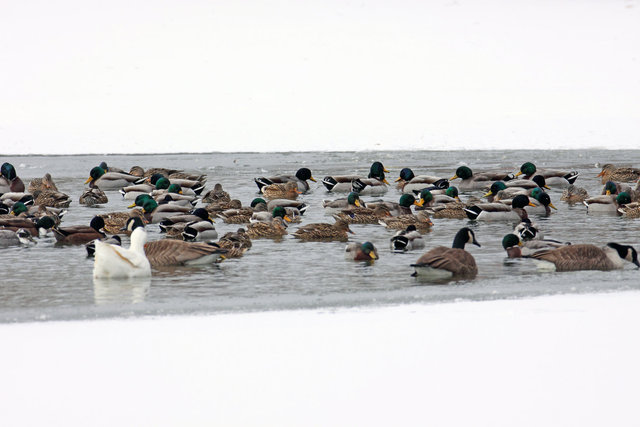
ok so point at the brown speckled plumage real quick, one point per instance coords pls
(323, 231)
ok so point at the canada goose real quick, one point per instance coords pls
(588, 257)
(113, 261)
(407, 240)
(167, 252)
(357, 251)
(442, 263)
(300, 178)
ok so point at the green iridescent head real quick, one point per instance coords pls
(510, 240)
(426, 196)
(18, 208)
(162, 183)
(527, 169)
(174, 188)
(406, 200)
(354, 199)
(257, 201)
(149, 205)
(452, 192)
(623, 198)
(463, 172)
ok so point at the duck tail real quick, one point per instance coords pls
(329, 182)
(472, 212)
(572, 176)
(262, 182)
(357, 186)
(198, 188)
(399, 243)
(140, 181)
(302, 208)
(189, 234)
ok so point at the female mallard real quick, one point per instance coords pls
(554, 178)
(104, 180)
(288, 190)
(220, 206)
(38, 227)
(240, 215)
(420, 220)
(588, 257)
(471, 181)
(607, 204)
(612, 173)
(300, 178)
(631, 210)
(407, 240)
(93, 196)
(323, 231)
(114, 261)
(499, 211)
(235, 242)
(442, 263)
(374, 184)
(361, 251)
(409, 183)
(516, 248)
(217, 194)
(80, 234)
(51, 198)
(573, 194)
(270, 230)
(363, 215)
(115, 222)
(43, 184)
(9, 180)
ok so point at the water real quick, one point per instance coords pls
(47, 281)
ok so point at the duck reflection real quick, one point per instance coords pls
(120, 291)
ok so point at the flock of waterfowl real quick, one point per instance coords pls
(184, 211)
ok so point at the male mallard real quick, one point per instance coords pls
(114, 261)
(516, 248)
(271, 230)
(334, 206)
(374, 184)
(300, 178)
(554, 178)
(80, 234)
(9, 180)
(43, 184)
(409, 183)
(199, 214)
(442, 263)
(323, 231)
(38, 227)
(407, 240)
(288, 190)
(104, 180)
(199, 231)
(607, 204)
(611, 173)
(573, 194)
(420, 220)
(588, 257)
(499, 211)
(471, 181)
(267, 217)
(361, 251)
(154, 212)
(541, 202)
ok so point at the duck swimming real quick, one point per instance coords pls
(300, 178)
(374, 184)
(357, 251)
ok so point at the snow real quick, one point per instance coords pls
(555, 360)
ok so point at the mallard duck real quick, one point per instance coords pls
(113, 261)
(442, 263)
(357, 251)
(573, 194)
(220, 206)
(141, 172)
(198, 214)
(274, 229)
(293, 207)
(14, 238)
(267, 217)
(240, 215)
(104, 180)
(420, 220)
(402, 207)
(407, 240)
(9, 180)
(12, 197)
(108, 168)
(38, 227)
(527, 230)
(631, 210)
(216, 194)
(374, 184)
(449, 211)
(607, 204)
(93, 197)
(300, 178)
(588, 257)
(323, 231)
(334, 206)
(288, 190)
(154, 212)
(471, 181)
(554, 178)
(612, 173)
(80, 234)
(115, 222)
(235, 242)
(199, 231)
(43, 184)
(499, 211)
(51, 198)
(500, 190)
(410, 183)
(541, 202)
(363, 215)
(516, 248)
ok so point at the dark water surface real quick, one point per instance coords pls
(46, 281)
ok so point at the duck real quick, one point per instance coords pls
(199, 231)
(471, 181)
(267, 216)
(39, 227)
(610, 172)
(235, 242)
(300, 178)
(499, 211)
(271, 230)
(607, 204)
(9, 180)
(142, 173)
(287, 190)
(402, 207)
(554, 178)
(358, 251)
(217, 194)
(420, 220)
(527, 230)
(51, 198)
(199, 214)
(573, 194)
(631, 210)
(80, 234)
(587, 257)
(114, 261)
(323, 231)
(516, 248)
(154, 212)
(15, 238)
(350, 202)
(409, 183)
(541, 202)
(115, 222)
(108, 168)
(242, 215)
(222, 205)
(43, 184)
(443, 263)
(408, 239)
(374, 184)
(363, 215)
(104, 180)
(294, 208)
(500, 190)
(93, 197)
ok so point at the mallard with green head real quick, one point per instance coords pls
(410, 183)
(105, 181)
(607, 204)
(267, 216)
(477, 181)
(553, 178)
(443, 263)
(517, 248)
(300, 178)
(499, 211)
(374, 184)
(80, 234)
(358, 251)
(9, 179)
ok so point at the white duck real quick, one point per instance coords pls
(112, 261)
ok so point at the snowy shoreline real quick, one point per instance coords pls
(553, 360)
